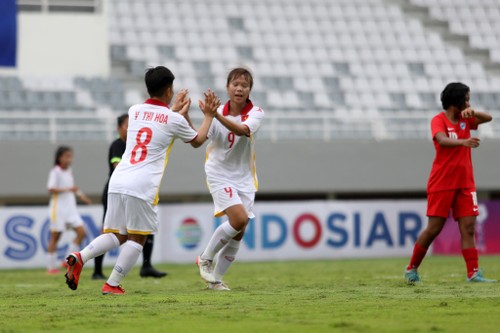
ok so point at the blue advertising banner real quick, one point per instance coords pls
(8, 33)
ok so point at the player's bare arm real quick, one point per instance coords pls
(209, 108)
(237, 129)
(62, 190)
(185, 113)
(83, 197)
(443, 140)
(481, 117)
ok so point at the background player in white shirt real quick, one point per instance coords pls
(135, 183)
(231, 175)
(62, 207)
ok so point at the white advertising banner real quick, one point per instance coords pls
(280, 231)
(24, 236)
(301, 230)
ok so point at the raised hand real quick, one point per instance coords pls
(180, 100)
(185, 109)
(210, 105)
(468, 113)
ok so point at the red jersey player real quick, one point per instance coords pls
(451, 183)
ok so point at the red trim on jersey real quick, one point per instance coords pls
(154, 101)
(192, 139)
(246, 109)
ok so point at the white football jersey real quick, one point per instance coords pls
(152, 129)
(61, 204)
(230, 159)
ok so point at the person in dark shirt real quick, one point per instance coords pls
(116, 151)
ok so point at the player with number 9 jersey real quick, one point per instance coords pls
(231, 159)
(231, 175)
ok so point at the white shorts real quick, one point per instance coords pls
(228, 197)
(60, 221)
(130, 215)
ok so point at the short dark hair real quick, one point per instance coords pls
(60, 152)
(237, 72)
(454, 95)
(157, 80)
(121, 119)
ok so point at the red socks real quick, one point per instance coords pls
(470, 255)
(417, 257)
(471, 261)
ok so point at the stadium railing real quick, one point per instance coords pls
(326, 126)
(87, 6)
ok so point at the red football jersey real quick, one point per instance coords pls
(452, 166)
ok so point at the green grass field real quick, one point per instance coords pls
(304, 296)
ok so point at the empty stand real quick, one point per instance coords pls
(323, 69)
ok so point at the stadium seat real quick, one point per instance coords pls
(318, 55)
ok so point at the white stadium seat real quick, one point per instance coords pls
(349, 54)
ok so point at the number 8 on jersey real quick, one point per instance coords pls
(141, 145)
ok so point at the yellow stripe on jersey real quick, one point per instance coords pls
(209, 150)
(53, 212)
(138, 232)
(157, 198)
(253, 164)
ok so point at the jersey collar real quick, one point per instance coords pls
(156, 102)
(225, 111)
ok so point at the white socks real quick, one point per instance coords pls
(52, 261)
(98, 246)
(225, 258)
(221, 237)
(126, 260)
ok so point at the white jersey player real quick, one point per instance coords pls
(134, 185)
(62, 207)
(231, 175)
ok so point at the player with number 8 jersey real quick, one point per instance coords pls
(231, 175)
(135, 183)
(151, 134)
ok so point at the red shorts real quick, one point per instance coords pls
(462, 202)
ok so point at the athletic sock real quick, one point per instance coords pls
(52, 261)
(147, 251)
(220, 237)
(126, 260)
(225, 258)
(471, 260)
(98, 246)
(417, 257)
